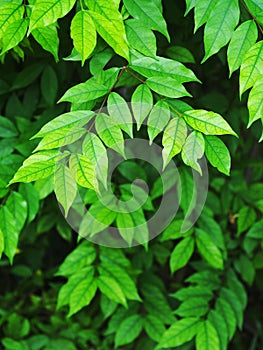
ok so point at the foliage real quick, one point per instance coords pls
(80, 79)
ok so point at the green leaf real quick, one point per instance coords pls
(2, 242)
(256, 8)
(246, 218)
(174, 137)
(189, 5)
(148, 14)
(93, 148)
(17, 205)
(14, 33)
(83, 169)
(246, 269)
(256, 231)
(47, 37)
(83, 33)
(110, 133)
(120, 113)
(193, 149)
(9, 231)
(83, 92)
(181, 254)
(49, 85)
(30, 194)
(162, 67)
(111, 28)
(78, 291)
(154, 327)
(65, 187)
(188, 293)
(142, 102)
(206, 278)
(218, 154)
(255, 102)
(242, 39)
(207, 337)
(180, 53)
(208, 249)
(252, 67)
(220, 25)
(202, 12)
(209, 123)
(140, 37)
(180, 332)
(46, 12)
(158, 118)
(82, 256)
(109, 287)
(7, 128)
(10, 13)
(219, 324)
(129, 329)
(194, 307)
(230, 297)
(224, 309)
(66, 122)
(167, 87)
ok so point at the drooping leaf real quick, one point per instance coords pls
(17, 205)
(83, 169)
(224, 309)
(181, 254)
(174, 137)
(219, 324)
(218, 154)
(252, 67)
(230, 297)
(65, 186)
(243, 38)
(31, 196)
(120, 113)
(110, 133)
(168, 87)
(47, 37)
(202, 12)
(46, 12)
(49, 85)
(255, 102)
(220, 25)
(154, 327)
(209, 123)
(148, 14)
(193, 149)
(94, 149)
(83, 33)
(9, 231)
(111, 289)
(142, 102)
(157, 120)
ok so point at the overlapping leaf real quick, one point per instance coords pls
(193, 149)
(218, 154)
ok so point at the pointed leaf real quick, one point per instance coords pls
(167, 87)
(84, 171)
(109, 287)
(17, 205)
(14, 33)
(181, 254)
(207, 337)
(255, 102)
(157, 120)
(10, 13)
(246, 217)
(193, 149)
(218, 154)
(202, 12)
(142, 102)
(47, 37)
(9, 231)
(128, 330)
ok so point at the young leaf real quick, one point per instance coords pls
(83, 33)
(93, 148)
(180, 332)
(207, 337)
(46, 12)
(47, 37)
(158, 118)
(242, 39)
(208, 249)
(218, 154)
(128, 330)
(220, 25)
(174, 137)
(148, 14)
(111, 289)
(209, 123)
(120, 113)
(181, 254)
(166, 86)
(110, 133)
(142, 102)
(252, 67)
(141, 38)
(193, 149)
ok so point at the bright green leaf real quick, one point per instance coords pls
(181, 254)
(142, 102)
(193, 149)
(218, 154)
(207, 337)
